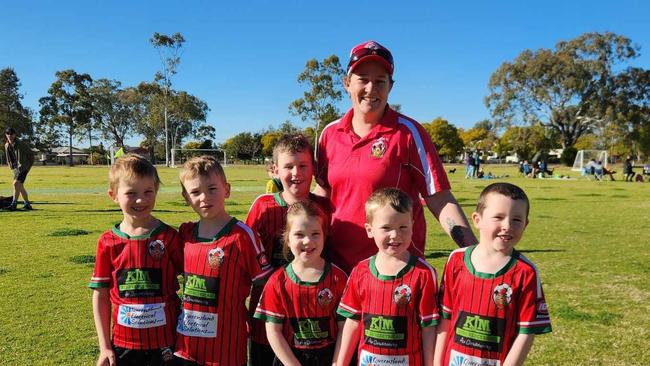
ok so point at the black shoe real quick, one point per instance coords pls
(11, 207)
(27, 207)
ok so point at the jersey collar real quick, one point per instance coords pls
(402, 272)
(116, 230)
(470, 267)
(294, 278)
(224, 231)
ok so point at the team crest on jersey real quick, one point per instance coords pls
(324, 298)
(502, 295)
(402, 295)
(215, 258)
(156, 249)
(378, 148)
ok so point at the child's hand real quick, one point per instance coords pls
(106, 358)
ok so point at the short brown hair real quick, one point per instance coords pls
(293, 144)
(505, 189)
(301, 208)
(397, 199)
(129, 167)
(201, 166)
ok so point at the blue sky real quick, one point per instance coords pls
(243, 58)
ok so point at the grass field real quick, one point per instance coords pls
(590, 241)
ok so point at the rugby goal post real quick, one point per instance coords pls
(179, 156)
(584, 156)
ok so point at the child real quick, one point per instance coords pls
(389, 301)
(222, 258)
(293, 164)
(135, 274)
(491, 296)
(273, 185)
(300, 300)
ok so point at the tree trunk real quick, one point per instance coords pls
(70, 147)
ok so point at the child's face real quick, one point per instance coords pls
(306, 238)
(207, 195)
(136, 198)
(502, 223)
(295, 172)
(391, 230)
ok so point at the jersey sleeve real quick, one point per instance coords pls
(176, 251)
(253, 255)
(446, 286)
(270, 308)
(350, 305)
(428, 174)
(103, 266)
(533, 314)
(427, 307)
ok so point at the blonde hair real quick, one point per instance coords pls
(394, 197)
(130, 167)
(301, 208)
(293, 144)
(201, 166)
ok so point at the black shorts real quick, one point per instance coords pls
(20, 175)
(312, 357)
(261, 354)
(148, 357)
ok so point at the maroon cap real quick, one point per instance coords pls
(371, 50)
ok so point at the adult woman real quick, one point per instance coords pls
(373, 147)
(20, 159)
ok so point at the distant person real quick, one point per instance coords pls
(494, 285)
(638, 178)
(628, 171)
(222, 258)
(273, 185)
(372, 147)
(20, 159)
(135, 277)
(469, 165)
(476, 157)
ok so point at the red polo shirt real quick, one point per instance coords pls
(396, 153)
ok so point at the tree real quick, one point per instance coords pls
(318, 104)
(481, 136)
(524, 141)
(445, 136)
(12, 112)
(243, 146)
(113, 112)
(169, 50)
(68, 107)
(571, 89)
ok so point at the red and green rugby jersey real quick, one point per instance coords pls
(488, 311)
(307, 310)
(219, 271)
(391, 310)
(141, 273)
(268, 217)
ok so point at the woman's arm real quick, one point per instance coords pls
(279, 345)
(445, 208)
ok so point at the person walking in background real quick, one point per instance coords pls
(20, 159)
(627, 169)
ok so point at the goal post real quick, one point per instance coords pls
(583, 157)
(179, 156)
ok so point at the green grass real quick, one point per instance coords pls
(588, 239)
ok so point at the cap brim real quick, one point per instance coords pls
(376, 58)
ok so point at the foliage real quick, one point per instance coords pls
(446, 138)
(68, 107)
(243, 146)
(318, 104)
(568, 155)
(481, 136)
(524, 141)
(113, 111)
(12, 112)
(572, 88)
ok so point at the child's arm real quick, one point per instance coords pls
(428, 344)
(279, 345)
(102, 316)
(347, 342)
(441, 341)
(519, 350)
(339, 335)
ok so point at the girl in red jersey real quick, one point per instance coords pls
(299, 301)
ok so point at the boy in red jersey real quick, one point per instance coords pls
(491, 296)
(299, 301)
(223, 257)
(389, 301)
(135, 274)
(293, 164)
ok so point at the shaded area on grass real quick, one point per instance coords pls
(68, 232)
(3, 271)
(82, 259)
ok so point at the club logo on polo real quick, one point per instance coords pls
(502, 295)
(378, 148)
(402, 295)
(324, 298)
(156, 249)
(215, 258)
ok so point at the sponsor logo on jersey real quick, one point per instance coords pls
(156, 249)
(139, 282)
(385, 331)
(370, 359)
(480, 332)
(378, 148)
(141, 316)
(310, 331)
(542, 310)
(197, 324)
(216, 257)
(324, 298)
(201, 290)
(460, 359)
(402, 295)
(502, 295)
